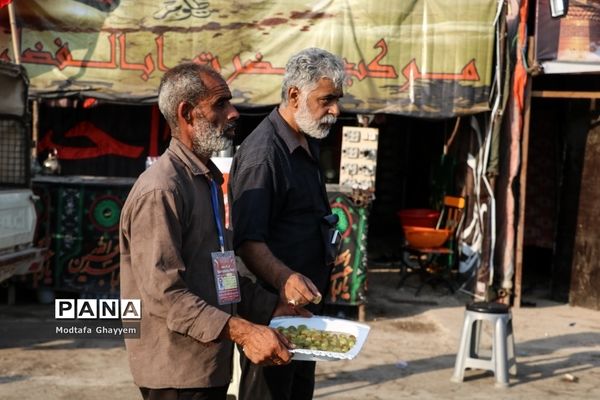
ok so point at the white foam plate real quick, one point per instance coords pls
(361, 331)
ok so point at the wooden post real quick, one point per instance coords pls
(584, 289)
(523, 186)
(565, 94)
(362, 312)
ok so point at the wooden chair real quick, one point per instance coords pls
(435, 264)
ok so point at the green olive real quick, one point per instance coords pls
(306, 338)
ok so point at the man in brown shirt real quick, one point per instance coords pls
(168, 232)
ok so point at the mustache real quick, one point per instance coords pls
(229, 129)
(328, 120)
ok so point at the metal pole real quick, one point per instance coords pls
(14, 33)
(35, 128)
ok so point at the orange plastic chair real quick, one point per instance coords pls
(434, 249)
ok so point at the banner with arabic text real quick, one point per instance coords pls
(429, 58)
(78, 220)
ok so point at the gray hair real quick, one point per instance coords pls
(182, 83)
(306, 68)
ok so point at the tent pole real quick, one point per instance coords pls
(35, 115)
(14, 33)
(523, 185)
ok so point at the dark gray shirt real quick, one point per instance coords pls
(167, 233)
(279, 198)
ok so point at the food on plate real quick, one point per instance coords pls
(304, 337)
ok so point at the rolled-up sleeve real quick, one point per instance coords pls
(155, 235)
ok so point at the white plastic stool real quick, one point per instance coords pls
(503, 342)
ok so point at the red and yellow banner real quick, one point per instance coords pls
(415, 57)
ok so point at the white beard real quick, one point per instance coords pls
(316, 128)
(208, 139)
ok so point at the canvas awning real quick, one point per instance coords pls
(429, 58)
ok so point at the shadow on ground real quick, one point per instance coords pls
(537, 360)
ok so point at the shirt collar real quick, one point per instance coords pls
(290, 137)
(193, 163)
(284, 131)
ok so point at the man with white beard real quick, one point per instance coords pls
(175, 258)
(278, 202)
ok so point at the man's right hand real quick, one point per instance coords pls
(261, 344)
(297, 290)
(294, 288)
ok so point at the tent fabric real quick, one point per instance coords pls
(431, 58)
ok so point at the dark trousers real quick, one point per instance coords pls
(295, 381)
(218, 393)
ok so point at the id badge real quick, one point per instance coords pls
(226, 277)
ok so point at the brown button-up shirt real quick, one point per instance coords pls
(167, 234)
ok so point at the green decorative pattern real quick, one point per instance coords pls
(106, 213)
(348, 277)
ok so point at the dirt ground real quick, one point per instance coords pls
(409, 354)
